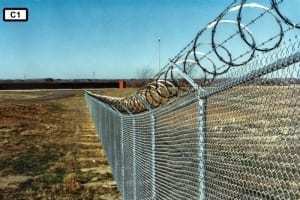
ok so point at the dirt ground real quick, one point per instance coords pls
(49, 148)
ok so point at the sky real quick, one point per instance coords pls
(98, 38)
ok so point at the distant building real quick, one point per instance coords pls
(122, 84)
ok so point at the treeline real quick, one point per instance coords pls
(49, 83)
(57, 84)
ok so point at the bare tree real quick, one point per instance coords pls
(145, 74)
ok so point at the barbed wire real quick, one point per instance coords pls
(211, 59)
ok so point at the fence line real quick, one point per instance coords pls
(241, 142)
(231, 133)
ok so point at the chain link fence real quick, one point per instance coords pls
(220, 120)
(236, 139)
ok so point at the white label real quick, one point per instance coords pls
(15, 14)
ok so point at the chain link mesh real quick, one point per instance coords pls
(216, 122)
(237, 140)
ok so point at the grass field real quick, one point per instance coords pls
(49, 149)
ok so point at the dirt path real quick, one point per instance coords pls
(50, 150)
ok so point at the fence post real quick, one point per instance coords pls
(122, 156)
(116, 147)
(153, 155)
(134, 159)
(202, 103)
(152, 121)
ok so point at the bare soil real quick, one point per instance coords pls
(49, 148)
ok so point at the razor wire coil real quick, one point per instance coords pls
(211, 59)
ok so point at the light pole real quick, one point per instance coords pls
(159, 54)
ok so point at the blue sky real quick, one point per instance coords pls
(112, 38)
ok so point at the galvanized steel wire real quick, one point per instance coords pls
(240, 141)
(231, 133)
(209, 60)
